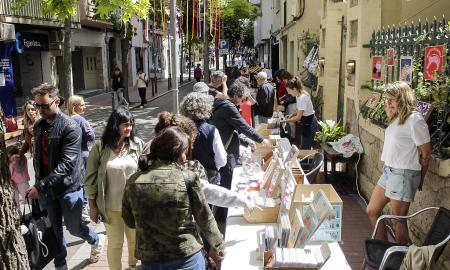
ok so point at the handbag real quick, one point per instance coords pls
(11, 124)
(40, 240)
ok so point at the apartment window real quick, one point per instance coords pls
(322, 43)
(324, 8)
(353, 3)
(284, 12)
(353, 33)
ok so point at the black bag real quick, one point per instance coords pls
(40, 240)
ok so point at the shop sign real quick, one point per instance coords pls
(31, 42)
(7, 93)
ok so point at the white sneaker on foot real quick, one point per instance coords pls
(97, 249)
(85, 216)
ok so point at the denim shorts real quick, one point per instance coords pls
(399, 184)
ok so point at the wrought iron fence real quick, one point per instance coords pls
(411, 40)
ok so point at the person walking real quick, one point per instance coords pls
(265, 98)
(198, 73)
(76, 108)
(111, 161)
(406, 155)
(141, 84)
(208, 147)
(59, 173)
(161, 200)
(117, 85)
(304, 116)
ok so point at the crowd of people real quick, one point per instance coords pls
(149, 191)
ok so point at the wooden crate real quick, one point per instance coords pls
(265, 215)
(331, 228)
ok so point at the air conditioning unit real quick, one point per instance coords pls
(7, 32)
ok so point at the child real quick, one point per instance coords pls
(18, 169)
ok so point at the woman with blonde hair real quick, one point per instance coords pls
(406, 154)
(76, 108)
(305, 114)
(30, 116)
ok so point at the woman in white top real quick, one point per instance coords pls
(111, 161)
(141, 84)
(305, 114)
(406, 154)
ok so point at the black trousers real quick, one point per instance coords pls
(226, 176)
(142, 93)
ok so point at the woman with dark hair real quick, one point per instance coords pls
(117, 87)
(305, 114)
(141, 84)
(111, 161)
(160, 200)
(30, 116)
(215, 195)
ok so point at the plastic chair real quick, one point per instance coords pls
(381, 254)
(314, 167)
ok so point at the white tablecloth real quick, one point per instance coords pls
(241, 248)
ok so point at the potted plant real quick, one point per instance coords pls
(330, 131)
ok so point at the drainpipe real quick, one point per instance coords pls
(340, 111)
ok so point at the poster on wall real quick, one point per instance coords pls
(434, 61)
(406, 69)
(7, 93)
(390, 57)
(377, 67)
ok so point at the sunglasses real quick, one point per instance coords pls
(44, 106)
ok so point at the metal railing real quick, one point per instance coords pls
(32, 10)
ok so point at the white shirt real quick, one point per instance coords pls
(118, 169)
(304, 104)
(401, 141)
(220, 155)
(140, 80)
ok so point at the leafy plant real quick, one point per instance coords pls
(330, 131)
(307, 41)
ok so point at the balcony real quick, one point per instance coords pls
(29, 14)
(87, 16)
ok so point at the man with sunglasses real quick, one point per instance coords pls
(60, 172)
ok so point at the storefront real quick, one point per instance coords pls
(7, 93)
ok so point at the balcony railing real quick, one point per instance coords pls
(29, 14)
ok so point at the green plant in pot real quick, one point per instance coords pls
(330, 131)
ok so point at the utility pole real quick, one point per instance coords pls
(174, 54)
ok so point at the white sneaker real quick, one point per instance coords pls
(142, 107)
(97, 249)
(85, 216)
(64, 267)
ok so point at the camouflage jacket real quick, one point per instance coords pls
(157, 204)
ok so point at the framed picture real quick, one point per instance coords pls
(434, 61)
(268, 173)
(275, 182)
(373, 100)
(406, 69)
(390, 57)
(424, 108)
(377, 67)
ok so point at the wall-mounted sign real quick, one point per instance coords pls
(434, 59)
(31, 42)
(7, 93)
(406, 69)
(377, 67)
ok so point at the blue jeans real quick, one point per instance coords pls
(193, 262)
(68, 206)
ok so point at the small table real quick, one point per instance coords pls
(334, 157)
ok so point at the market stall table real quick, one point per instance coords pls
(241, 248)
(334, 157)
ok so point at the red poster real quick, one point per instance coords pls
(390, 57)
(377, 66)
(433, 61)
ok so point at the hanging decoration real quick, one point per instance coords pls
(434, 59)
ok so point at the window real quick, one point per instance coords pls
(284, 12)
(353, 33)
(322, 42)
(353, 3)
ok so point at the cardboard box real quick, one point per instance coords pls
(331, 228)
